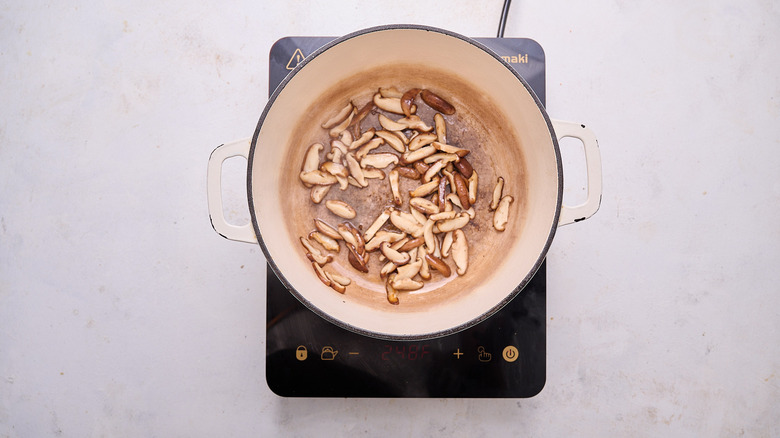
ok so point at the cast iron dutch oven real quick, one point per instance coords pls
(498, 118)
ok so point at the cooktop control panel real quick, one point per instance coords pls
(504, 356)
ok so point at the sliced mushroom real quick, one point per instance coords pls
(392, 294)
(368, 147)
(441, 128)
(346, 235)
(393, 140)
(372, 173)
(420, 140)
(399, 258)
(433, 170)
(337, 278)
(391, 125)
(473, 186)
(436, 102)
(408, 172)
(438, 264)
(430, 241)
(378, 223)
(498, 191)
(412, 243)
(390, 92)
(339, 117)
(321, 274)
(410, 226)
(355, 170)
(317, 193)
(327, 242)
(346, 138)
(318, 178)
(418, 216)
(341, 127)
(311, 161)
(404, 284)
(340, 208)
(407, 101)
(389, 104)
(415, 122)
(450, 149)
(394, 186)
(379, 161)
(326, 229)
(446, 244)
(501, 215)
(409, 270)
(420, 167)
(362, 140)
(359, 116)
(335, 169)
(338, 287)
(462, 189)
(383, 236)
(358, 261)
(460, 252)
(425, 269)
(387, 269)
(444, 216)
(441, 156)
(424, 205)
(464, 167)
(314, 254)
(419, 154)
(460, 221)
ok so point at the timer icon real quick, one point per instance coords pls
(510, 353)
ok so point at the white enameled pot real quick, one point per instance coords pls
(502, 122)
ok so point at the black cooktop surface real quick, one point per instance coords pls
(502, 357)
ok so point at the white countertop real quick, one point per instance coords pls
(122, 313)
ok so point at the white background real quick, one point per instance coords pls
(122, 313)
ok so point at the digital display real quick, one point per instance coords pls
(406, 351)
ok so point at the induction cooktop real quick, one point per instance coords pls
(501, 357)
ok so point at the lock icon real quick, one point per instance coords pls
(301, 353)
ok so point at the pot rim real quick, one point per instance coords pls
(344, 324)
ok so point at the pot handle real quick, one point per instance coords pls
(592, 166)
(241, 233)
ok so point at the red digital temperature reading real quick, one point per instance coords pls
(406, 352)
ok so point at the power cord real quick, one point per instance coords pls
(502, 22)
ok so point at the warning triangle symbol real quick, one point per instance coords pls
(296, 57)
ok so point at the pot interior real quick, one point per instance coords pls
(496, 118)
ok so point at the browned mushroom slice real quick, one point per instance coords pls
(311, 160)
(362, 139)
(437, 103)
(464, 167)
(368, 147)
(438, 264)
(395, 187)
(407, 101)
(357, 260)
(419, 154)
(462, 190)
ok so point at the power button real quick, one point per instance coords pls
(510, 353)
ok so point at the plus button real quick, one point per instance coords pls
(457, 353)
